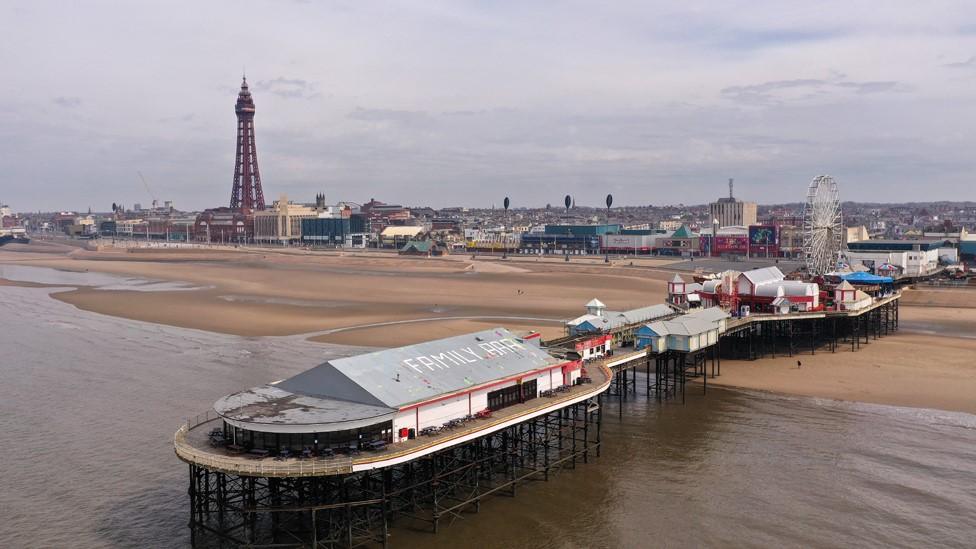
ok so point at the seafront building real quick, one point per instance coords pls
(282, 222)
(730, 211)
(902, 258)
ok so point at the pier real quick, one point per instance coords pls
(748, 338)
(321, 498)
(284, 482)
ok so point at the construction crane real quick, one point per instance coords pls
(149, 191)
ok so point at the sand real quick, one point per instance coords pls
(271, 293)
(379, 299)
(906, 369)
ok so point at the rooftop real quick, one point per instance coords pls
(690, 324)
(401, 231)
(614, 319)
(764, 275)
(361, 390)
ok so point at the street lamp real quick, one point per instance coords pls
(609, 202)
(568, 201)
(506, 203)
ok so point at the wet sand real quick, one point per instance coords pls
(395, 335)
(258, 293)
(905, 369)
(382, 300)
(929, 363)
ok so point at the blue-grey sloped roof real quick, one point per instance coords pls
(402, 376)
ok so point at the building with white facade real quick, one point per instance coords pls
(687, 333)
(911, 258)
(760, 290)
(391, 395)
(848, 298)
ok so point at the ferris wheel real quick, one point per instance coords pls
(822, 226)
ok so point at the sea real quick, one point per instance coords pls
(89, 404)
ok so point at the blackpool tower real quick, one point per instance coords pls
(247, 193)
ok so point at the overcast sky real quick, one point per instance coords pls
(462, 103)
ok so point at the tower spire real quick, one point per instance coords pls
(246, 193)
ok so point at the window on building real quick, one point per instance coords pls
(514, 394)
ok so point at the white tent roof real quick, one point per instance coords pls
(764, 275)
(711, 286)
(786, 287)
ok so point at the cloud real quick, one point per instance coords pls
(763, 93)
(870, 87)
(289, 88)
(67, 102)
(400, 117)
(754, 39)
(188, 117)
(779, 91)
(969, 63)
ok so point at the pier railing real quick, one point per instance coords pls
(196, 451)
(737, 322)
(244, 465)
(200, 419)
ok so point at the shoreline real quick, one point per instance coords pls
(387, 302)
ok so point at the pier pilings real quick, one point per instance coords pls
(358, 509)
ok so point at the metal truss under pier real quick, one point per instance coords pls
(666, 374)
(359, 509)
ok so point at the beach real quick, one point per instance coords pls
(383, 300)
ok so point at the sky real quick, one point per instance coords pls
(463, 103)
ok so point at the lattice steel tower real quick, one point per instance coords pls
(247, 193)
